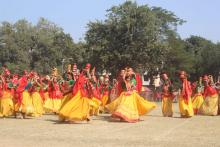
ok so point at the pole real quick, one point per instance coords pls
(63, 65)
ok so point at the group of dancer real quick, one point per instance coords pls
(78, 95)
(90, 95)
(201, 97)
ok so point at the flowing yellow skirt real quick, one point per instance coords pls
(167, 106)
(104, 100)
(46, 96)
(38, 104)
(26, 105)
(6, 104)
(209, 106)
(197, 102)
(65, 99)
(76, 109)
(130, 107)
(95, 106)
(186, 110)
(52, 105)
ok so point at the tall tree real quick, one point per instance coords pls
(206, 55)
(36, 47)
(178, 58)
(131, 35)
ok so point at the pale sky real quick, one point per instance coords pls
(202, 16)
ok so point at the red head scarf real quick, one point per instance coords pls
(88, 66)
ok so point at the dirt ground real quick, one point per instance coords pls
(152, 130)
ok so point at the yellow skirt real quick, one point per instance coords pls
(197, 102)
(209, 106)
(186, 110)
(95, 106)
(65, 99)
(52, 105)
(167, 106)
(38, 104)
(76, 109)
(130, 107)
(26, 105)
(46, 96)
(104, 100)
(6, 104)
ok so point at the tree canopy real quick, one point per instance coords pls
(35, 47)
(131, 35)
(134, 35)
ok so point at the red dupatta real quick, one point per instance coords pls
(79, 85)
(209, 91)
(54, 91)
(94, 91)
(1, 92)
(139, 82)
(21, 87)
(186, 91)
(50, 89)
(119, 86)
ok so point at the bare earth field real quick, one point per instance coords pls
(153, 130)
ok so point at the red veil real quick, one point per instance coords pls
(139, 82)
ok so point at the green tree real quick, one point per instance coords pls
(131, 35)
(178, 58)
(37, 47)
(206, 55)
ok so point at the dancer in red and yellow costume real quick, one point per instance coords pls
(185, 102)
(67, 88)
(167, 96)
(104, 90)
(79, 106)
(119, 82)
(94, 93)
(210, 104)
(53, 103)
(23, 100)
(197, 97)
(129, 105)
(44, 88)
(6, 95)
(37, 99)
(136, 78)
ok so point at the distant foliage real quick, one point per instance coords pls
(35, 47)
(131, 35)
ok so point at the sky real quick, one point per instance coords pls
(202, 16)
